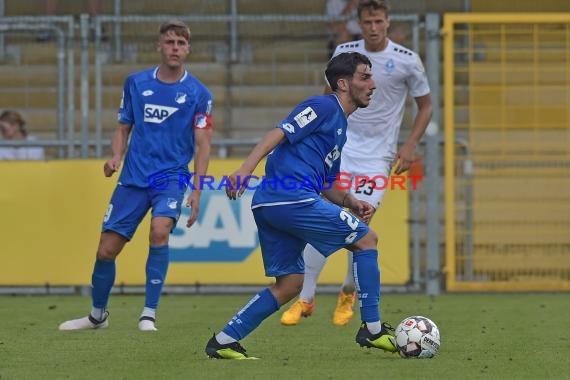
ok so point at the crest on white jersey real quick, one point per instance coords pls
(389, 66)
(180, 98)
(154, 113)
(305, 117)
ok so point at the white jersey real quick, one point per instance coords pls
(373, 131)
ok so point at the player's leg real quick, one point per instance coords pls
(335, 229)
(155, 270)
(372, 333)
(126, 209)
(102, 281)
(103, 278)
(305, 305)
(341, 227)
(344, 309)
(314, 264)
(282, 259)
(328, 228)
(346, 296)
(369, 183)
(225, 344)
(166, 209)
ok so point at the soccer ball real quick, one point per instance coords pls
(417, 337)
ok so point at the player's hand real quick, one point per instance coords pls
(111, 166)
(193, 202)
(404, 158)
(363, 210)
(237, 186)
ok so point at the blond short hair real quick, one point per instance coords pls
(178, 27)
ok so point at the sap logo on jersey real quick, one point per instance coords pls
(224, 232)
(157, 114)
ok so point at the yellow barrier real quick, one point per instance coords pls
(51, 218)
(506, 89)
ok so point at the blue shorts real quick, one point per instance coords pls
(129, 205)
(285, 230)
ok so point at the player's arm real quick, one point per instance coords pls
(407, 153)
(203, 138)
(262, 149)
(344, 198)
(118, 148)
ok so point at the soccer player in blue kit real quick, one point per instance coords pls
(167, 112)
(303, 159)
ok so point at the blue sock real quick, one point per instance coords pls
(102, 282)
(261, 306)
(156, 268)
(367, 279)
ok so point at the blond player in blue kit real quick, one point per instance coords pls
(167, 113)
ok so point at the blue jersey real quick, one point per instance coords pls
(297, 168)
(163, 117)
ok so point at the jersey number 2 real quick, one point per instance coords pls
(352, 223)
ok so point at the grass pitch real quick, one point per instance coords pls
(482, 337)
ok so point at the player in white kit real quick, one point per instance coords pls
(372, 140)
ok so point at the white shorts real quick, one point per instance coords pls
(369, 179)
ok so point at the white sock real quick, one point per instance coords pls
(97, 313)
(374, 327)
(224, 338)
(149, 312)
(348, 285)
(314, 264)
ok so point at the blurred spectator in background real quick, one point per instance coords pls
(93, 7)
(342, 31)
(50, 8)
(12, 126)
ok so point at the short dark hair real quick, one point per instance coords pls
(178, 27)
(373, 5)
(343, 66)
